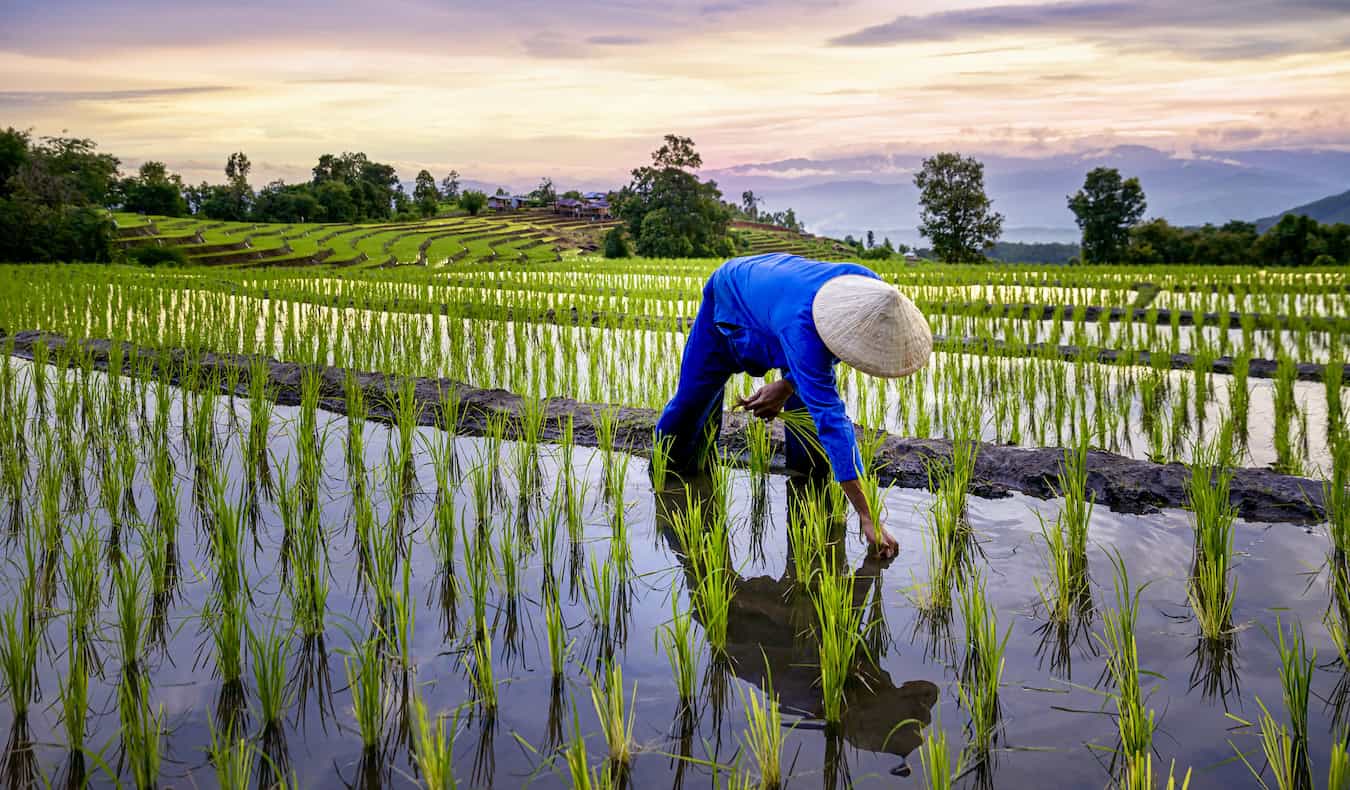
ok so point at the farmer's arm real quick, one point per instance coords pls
(813, 378)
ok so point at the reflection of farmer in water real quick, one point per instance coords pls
(801, 317)
(769, 630)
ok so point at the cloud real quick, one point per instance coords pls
(1210, 29)
(35, 98)
(616, 41)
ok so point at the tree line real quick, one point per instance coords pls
(957, 217)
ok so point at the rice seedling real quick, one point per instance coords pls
(555, 632)
(983, 666)
(707, 550)
(74, 696)
(936, 759)
(19, 641)
(1134, 720)
(1068, 590)
(482, 678)
(1287, 459)
(660, 461)
(142, 730)
(83, 576)
(579, 770)
(132, 605)
(764, 735)
(840, 629)
(1336, 495)
(1211, 593)
(365, 676)
(433, 747)
(269, 652)
(231, 756)
(676, 639)
(616, 722)
(757, 443)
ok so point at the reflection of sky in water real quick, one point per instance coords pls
(1042, 711)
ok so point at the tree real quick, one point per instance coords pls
(450, 186)
(544, 194)
(425, 194)
(750, 203)
(371, 185)
(955, 213)
(13, 156)
(154, 190)
(234, 202)
(1105, 210)
(472, 201)
(669, 212)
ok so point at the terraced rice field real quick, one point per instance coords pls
(398, 519)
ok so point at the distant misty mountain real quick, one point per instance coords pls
(843, 196)
(1332, 209)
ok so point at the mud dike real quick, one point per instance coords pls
(1122, 484)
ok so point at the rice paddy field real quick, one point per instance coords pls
(259, 530)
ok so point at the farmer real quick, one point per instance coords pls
(799, 316)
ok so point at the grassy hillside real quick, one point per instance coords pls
(517, 237)
(1330, 209)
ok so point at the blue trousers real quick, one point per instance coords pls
(693, 418)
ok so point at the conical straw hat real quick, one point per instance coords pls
(872, 326)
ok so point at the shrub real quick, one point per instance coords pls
(616, 246)
(1324, 261)
(156, 256)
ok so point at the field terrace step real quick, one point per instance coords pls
(1122, 484)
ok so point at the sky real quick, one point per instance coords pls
(583, 90)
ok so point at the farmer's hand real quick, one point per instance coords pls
(879, 541)
(768, 400)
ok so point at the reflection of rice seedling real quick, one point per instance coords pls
(617, 726)
(433, 747)
(1207, 493)
(983, 670)
(840, 630)
(365, 675)
(764, 735)
(574, 494)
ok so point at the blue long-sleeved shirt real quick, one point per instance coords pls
(762, 304)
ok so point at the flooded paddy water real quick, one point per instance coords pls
(617, 576)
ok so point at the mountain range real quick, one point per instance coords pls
(1330, 209)
(842, 196)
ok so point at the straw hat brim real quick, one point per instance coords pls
(871, 326)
